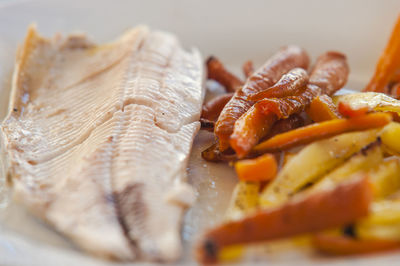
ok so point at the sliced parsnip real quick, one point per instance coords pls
(376, 101)
(390, 136)
(244, 200)
(382, 223)
(385, 178)
(366, 159)
(312, 162)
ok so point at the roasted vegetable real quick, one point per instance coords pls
(213, 108)
(248, 68)
(344, 245)
(369, 157)
(249, 129)
(218, 72)
(388, 63)
(385, 178)
(382, 223)
(322, 108)
(213, 154)
(347, 111)
(286, 59)
(290, 84)
(285, 125)
(317, 131)
(323, 210)
(312, 162)
(330, 72)
(390, 137)
(263, 168)
(244, 200)
(378, 102)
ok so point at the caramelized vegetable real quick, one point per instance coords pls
(390, 136)
(286, 59)
(388, 63)
(347, 111)
(213, 154)
(322, 130)
(219, 73)
(290, 84)
(319, 211)
(312, 162)
(262, 168)
(249, 129)
(283, 107)
(213, 108)
(344, 245)
(207, 124)
(330, 72)
(322, 109)
(248, 68)
(292, 122)
(378, 102)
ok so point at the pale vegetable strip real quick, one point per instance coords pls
(317, 131)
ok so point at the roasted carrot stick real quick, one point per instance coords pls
(292, 122)
(219, 73)
(248, 68)
(286, 59)
(344, 245)
(322, 108)
(213, 154)
(249, 129)
(388, 62)
(319, 211)
(263, 168)
(330, 72)
(347, 111)
(289, 85)
(322, 130)
(207, 124)
(213, 108)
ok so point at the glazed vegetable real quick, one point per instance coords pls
(248, 68)
(385, 178)
(262, 168)
(244, 200)
(378, 102)
(322, 108)
(213, 154)
(390, 136)
(207, 124)
(284, 107)
(369, 157)
(213, 108)
(292, 122)
(330, 72)
(284, 60)
(317, 131)
(382, 223)
(312, 162)
(290, 84)
(347, 111)
(323, 210)
(344, 245)
(219, 73)
(388, 63)
(249, 129)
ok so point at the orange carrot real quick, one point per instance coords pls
(219, 73)
(388, 63)
(213, 108)
(249, 129)
(346, 110)
(263, 168)
(248, 68)
(313, 132)
(322, 108)
(305, 214)
(343, 245)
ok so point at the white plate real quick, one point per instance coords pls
(235, 31)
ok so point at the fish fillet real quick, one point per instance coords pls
(98, 139)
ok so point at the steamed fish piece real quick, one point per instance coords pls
(98, 139)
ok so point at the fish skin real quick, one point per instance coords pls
(98, 139)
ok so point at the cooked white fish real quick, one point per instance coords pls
(98, 138)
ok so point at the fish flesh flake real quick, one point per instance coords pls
(98, 138)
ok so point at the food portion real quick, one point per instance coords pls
(309, 162)
(98, 139)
